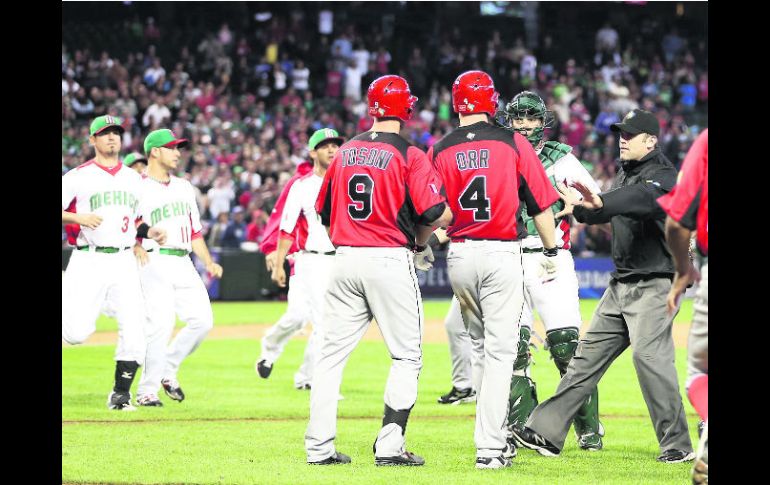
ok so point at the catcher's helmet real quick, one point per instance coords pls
(389, 96)
(528, 104)
(474, 92)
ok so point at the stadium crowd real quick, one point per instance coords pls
(248, 99)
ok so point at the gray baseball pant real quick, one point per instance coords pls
(355, 294)
(488, 279)
(629, 313)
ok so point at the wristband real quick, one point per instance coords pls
(551, 252)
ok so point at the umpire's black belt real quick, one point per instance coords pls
(102, 249)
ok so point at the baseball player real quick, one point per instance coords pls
(687, 209)
(380, 198)
(556, 300)
(170, 283)
(136, 161)
(101, 198)
(316, 255)
(298, 306)
(467, 358)
(484, 171)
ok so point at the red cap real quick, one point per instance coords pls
(474, 92)
(389, 96)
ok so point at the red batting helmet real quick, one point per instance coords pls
(390, 96)
(474, 92)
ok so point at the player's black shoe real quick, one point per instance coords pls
(495, 462)
(336, 459)
(675, 456)
(404, 459)
(263, 369)
(120, 401)
(171, 386)
(528, 438)
(458, 396)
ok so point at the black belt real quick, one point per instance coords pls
(327, 253)
(102, 249)
(171, 251)
(463, 239)
(531, 250)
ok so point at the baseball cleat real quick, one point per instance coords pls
(302, 387)
(676, 456)
(150, 400)
(458, 396)
(404, 459)
(336, 459)
(509, 451)
(263, 369)
(120, 401)
(590, 442)
(171, 386)
(494, 462)
(528, 438)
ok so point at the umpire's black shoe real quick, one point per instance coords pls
(336, 459)
(676, 456)
(458, 396)
(404, 459)
(263, 369)
(528, 438)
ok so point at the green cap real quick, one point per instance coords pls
(163, 138)
(322, 135)
(133, 158)
(103, 122)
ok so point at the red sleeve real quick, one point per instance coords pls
(422, 181)
(536, 190)
(683, 200)
(270, 236)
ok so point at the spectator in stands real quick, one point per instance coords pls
(235, 233)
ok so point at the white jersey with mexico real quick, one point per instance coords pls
(111, 193)
(170, 206)
(301, 202)
(567, 169)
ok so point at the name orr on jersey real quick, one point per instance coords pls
(472, 159)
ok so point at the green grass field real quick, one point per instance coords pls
(235, 428)
(246, 313)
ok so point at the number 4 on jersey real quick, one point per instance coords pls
(474, 198)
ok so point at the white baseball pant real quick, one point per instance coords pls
(556, 301)
(467, 354)
(172, 286)
(91, 279)
(296, 316)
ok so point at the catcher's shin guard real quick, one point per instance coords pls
(522, 400)
(587, 419)
(523, 396)
(563, 343)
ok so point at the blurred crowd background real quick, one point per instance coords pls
(248, 82)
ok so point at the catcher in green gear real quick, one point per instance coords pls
(554, 298)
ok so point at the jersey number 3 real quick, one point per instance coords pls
(360, 187)
(475, 198)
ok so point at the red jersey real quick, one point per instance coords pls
(270, 235)
(485, 171)
(376, 190)
(688, 201)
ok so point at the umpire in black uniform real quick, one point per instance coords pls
(632, 310)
